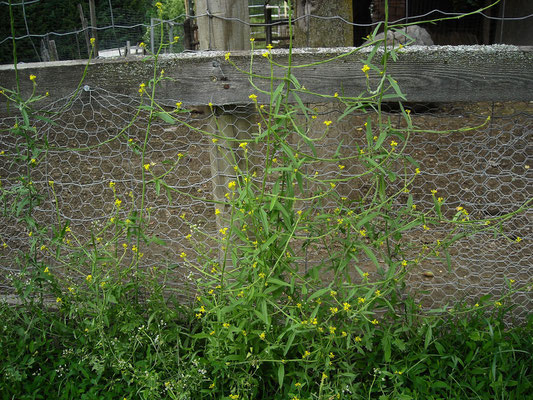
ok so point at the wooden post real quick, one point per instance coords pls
(152, 33)
(92, 12)
(85, 29)
(45, 54)
(53, 50)
(217, 33)
(315, 32)
(268, 24)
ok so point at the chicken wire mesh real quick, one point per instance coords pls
(94, 140)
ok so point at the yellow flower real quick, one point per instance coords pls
(183, 254)
(417, 171)
(231, 185)
(46, 270)
(327, 123)
(93, 41)
(89, 278)
(365, 69)
(346, 306)
(404, 263)
(243, 145)
(440, 199)
(341, 167)
(225, 325)
(262, 336)
(393, 144)
(159, 5)
(434, 191)
(146, 166)
(426, 228)
(58, 300)
(333, 310)
(176, 38)
(498, 304)
(365, 274)
(33, 161)
(32, 78)
(269, 47)
(265, 54)
(234, 396)
(178, 105)
(331, 355)
(362, 232)
(518, 239)
(374, 322)
(361, 300)
(227, 56)
(217, 211)
(332, 330)
(357, 339)
(142, 45)
(214, 140)
(324, 376)
(253, 97)
(306, 354)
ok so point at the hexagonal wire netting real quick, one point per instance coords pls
(92, 142)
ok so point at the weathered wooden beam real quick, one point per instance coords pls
(425, 74)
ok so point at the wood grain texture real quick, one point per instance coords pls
(425, 74)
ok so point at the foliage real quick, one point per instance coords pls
(261, 325)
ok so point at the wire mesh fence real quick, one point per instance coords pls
(92, 159)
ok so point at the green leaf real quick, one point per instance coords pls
(165, 117)
(264, 312)
(278, 282)
(429, 336)
(386, 343)
(289, 343)
(281, 374)
(319, 293)
(370, 254)
(396, 88)
(440, 348)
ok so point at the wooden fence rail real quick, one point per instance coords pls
(425, 74)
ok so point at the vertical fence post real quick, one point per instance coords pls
(85, 29)
(215, 32)
(92, 12)
(152, 32)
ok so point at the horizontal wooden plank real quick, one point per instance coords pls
(425, 74)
